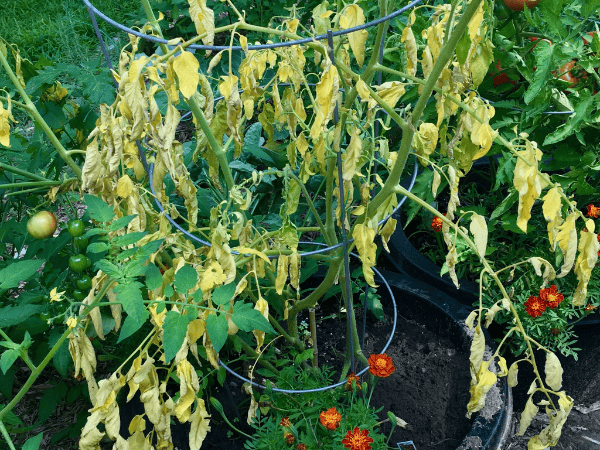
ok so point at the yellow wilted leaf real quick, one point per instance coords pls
(485, 380)
(188, 387)
(451, 260)
(364, 237)
(390, 92)
(586, 261)
(199, 425)
(186, 67)
(425, 141)
(386, 232)
(362, 89)
(477, 350)
(551, 434)
(513, 372)
(204, 20)
(4, 126)
(327, 94)
(353, 16)
(479, 230)
(294, 270)
(527, 183)
(212, 276)
(567, 242)
(282, 273)
(503, 368)
(553, 371)
(92, 167)
(124, 186)
(527, 416)
(411, 45)
(549, 273)
(263, 307)
(214, 61)
(131, 90)
(551, 209)
(351, 157)
(227, 86)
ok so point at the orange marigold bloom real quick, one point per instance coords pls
(535, 306)
(592, 211)
(285, 422)
(436, 224)
(357, 440)
(301, 447)
(330, 419)
(350, 384)
(589, 307)
(551, 296)
(381, 365)
(555, 331)
(289, 438)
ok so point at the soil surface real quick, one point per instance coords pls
(429, 388)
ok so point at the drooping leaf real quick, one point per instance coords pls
(186, 67)
(544, 52)
(527, 416)
(553, 371)
(479, 231)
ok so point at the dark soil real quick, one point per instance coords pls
(429, 389)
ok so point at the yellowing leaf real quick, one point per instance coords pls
(425, 141)
(350, 164)
(186, 67)
(327, 94)
(282, 273)
(353, 16)
(364, 239)
(204, 20)
(479, 231)
(551, 209)
(294, 269)
(527, 416)
(263, 307)
(586, 261)
(125, 186)
(199, 425)
(386, 232)
(553, 371)
(527, 183)
(362, 89)
(411, 47)
(390, 92)
(479, 389)
(513, 372)
(567, 242)
(4, 126)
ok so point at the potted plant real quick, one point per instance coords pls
(187, 282)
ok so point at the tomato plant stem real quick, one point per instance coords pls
(21, 172)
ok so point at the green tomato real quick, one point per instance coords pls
(80, 242)
(45, 316)
(76, 228)
(42, 225)
(78, 263)
(84, 283)
(60, 307)
(79, 295)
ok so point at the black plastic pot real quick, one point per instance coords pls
(444, 316)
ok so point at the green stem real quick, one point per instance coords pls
(312, 208)
(152, 18)
(251, 352)
(219, 152)
(22, 172)
(36, 116)
(34, 183)
(6, 436)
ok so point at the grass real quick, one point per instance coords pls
(61, 30)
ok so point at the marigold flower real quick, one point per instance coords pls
(551, 296)
(554, 331)
(592, 211)
(289, 438)
(535, 306)
(589, 307)
(285, 422)
(301, 447)
(381, 365)
(330, 419)
(436, 224)
(357, 440)
(353, 378)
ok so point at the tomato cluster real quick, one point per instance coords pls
(79, 263)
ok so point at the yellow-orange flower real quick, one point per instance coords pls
(289, 438)
(551, 296)
(357, 440)
(592, 211)
(352, 380)
(535, 306)
(285, 422)
(381, 365)
(301, 447)
(330, 419)
(436, 224)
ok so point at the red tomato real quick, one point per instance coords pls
(567, 75)
(518, 5)
(588, 41)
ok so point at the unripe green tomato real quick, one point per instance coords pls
(76, 228)
(60, 307)
(45, 316)
(80, 242)
(84, 283)
(79, 295)
(78, 263)
(42, 225)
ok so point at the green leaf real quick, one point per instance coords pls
(97, 247)
(582, 109)
(94, 231)
(34, 442)
(590, 7)
(247, 318)
(223, 294)
(221, 374)
(305, 355)
(174, 329)
(51, 397)
(14, 273)
(374, 305)
(506, 204)
(14, 315)
(62, 358)
(125, 254)
(505, 171)
(109, 268)
(130, 326)
(216, 325)
(130, 296)
(185, 279)
(545, 63)
(121, 222)
(129, 238)
(153, 277)
(98, 209)
(462, 48)
(10, 417)
(8, 358)
(149, 248)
